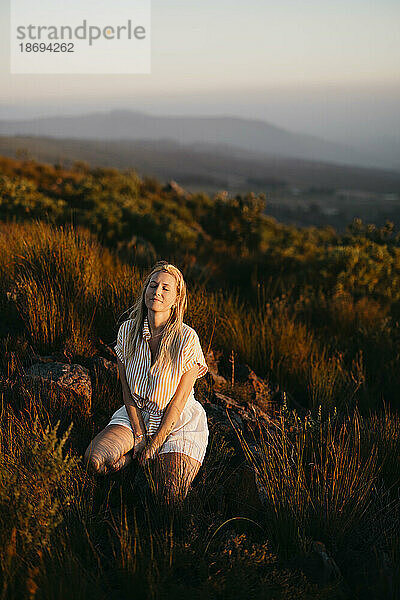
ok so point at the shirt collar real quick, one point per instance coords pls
(146, 330)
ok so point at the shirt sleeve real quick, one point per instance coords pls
(120, 345)
(193, 354)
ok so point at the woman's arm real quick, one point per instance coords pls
(134, 414)
(172, 413)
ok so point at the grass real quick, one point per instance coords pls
(63, 533)
(315, 479)
(282, 348)
(64, 285)
(331, 477)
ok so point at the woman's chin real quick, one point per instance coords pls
(157, 307)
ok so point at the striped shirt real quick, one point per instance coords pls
(152, 387)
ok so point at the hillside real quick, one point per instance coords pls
(202, 166)
(298, 192)
(298, 493)
(246, 134)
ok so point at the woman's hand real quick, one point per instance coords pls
(171, 415)
(138, 447)
(149, 451)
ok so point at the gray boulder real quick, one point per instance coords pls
(70, 382)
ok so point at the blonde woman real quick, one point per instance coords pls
(159, 359)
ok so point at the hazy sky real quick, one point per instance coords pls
(318, 66)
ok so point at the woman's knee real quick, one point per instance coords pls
(175, 473)
(121, 463)
(107, 448)
(94, 461)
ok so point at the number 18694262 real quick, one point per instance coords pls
(47, 47)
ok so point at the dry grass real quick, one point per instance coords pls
(63, 534)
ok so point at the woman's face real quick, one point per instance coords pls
(161, 293)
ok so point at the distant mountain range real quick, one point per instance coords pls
(248, 135)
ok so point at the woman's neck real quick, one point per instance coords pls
(157, 321)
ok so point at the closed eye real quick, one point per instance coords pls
(164, 287)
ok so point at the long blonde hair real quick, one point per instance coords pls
(168, 351)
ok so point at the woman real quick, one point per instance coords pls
(159, 359)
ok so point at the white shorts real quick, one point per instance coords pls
(189, 436)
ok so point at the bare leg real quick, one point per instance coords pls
(173, 474)
(108, 451)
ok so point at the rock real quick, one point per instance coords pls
(226, 400)
(212, 359)
(101, 367)
(212, 362)
(223, 417)
(260, 390)
(257, 402)
(244, 373)
(69, 381)
(218, 420)
(57, 357)
(246, 418)
(218, 416)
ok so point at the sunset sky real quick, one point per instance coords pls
(322, 67)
